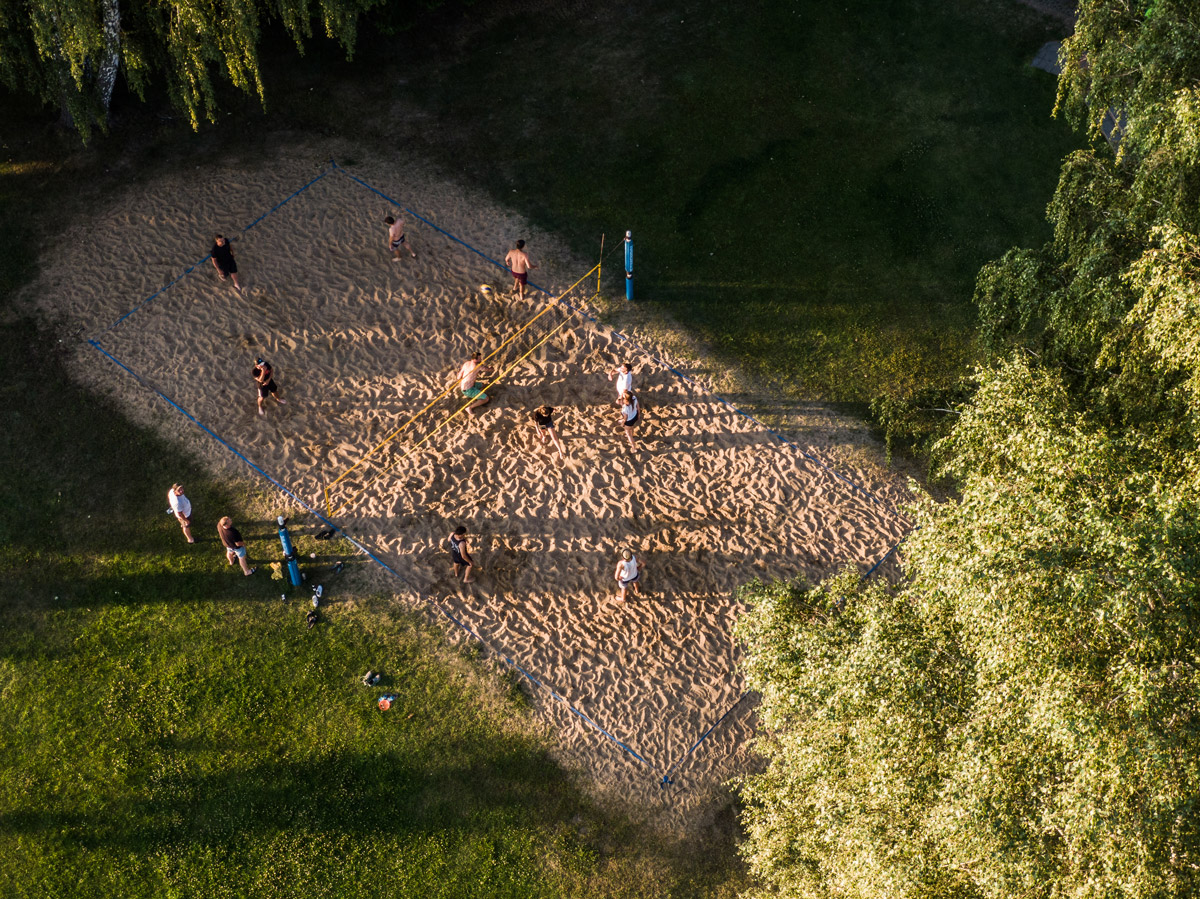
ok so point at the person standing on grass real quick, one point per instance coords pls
(223, 261)
(624, 375)
(235, 546)
(628, 573)
(543, 420)
(396, 238)
(631, 411)
(182, 507)
(460, 555)
(264, 377)
(518, 266)
(472, 369)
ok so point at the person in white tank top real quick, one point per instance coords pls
(628, 573)
(631, 411)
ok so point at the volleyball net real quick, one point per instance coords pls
(447, 407)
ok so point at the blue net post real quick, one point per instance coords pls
(289, 553)
(629, 265)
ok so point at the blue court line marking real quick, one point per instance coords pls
(666, 778)
(285, 201)
(554, 693)
(884, 557)
(191, 268)
(852, 484)
(370, 555)
(187, 271)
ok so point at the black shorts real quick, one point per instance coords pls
(458, 560)
(633, 421)
(265, 389)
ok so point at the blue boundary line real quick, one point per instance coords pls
(807, 455)
(666, 779)
(884, 557)
(287, 492)
(191, 268)
(286, 200)
(554, 693)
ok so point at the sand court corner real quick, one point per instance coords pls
(362, 345)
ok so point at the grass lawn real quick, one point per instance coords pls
(172, 728)
(812, 187)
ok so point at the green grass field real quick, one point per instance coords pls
(172, 728)
(812, 190)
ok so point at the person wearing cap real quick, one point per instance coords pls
(223, 261)
(264, 376)
(628, 573)
(235, 546)
(181, 507)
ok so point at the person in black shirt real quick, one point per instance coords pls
(223, 261)
(460, 555)
(543, 420)
(264, 377)
(235, 546)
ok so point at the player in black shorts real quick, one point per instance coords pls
(264, 377)
(223, 261)
(460, 555)
(543, 420)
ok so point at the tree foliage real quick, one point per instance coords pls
(857, 696)
(68, 52)
(1047, 622)
(1022, 716)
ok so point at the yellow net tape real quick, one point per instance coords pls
(459, 411)
(553, 303)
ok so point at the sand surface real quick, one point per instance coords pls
(364, 350)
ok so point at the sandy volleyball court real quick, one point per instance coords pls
(360, 344)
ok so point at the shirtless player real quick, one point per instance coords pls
(396, 238)
(471, 369)
(518, 266)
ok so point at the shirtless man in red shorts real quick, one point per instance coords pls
(518, 266)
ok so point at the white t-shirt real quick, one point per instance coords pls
(629, 569)
(624, 382)
(467, 374)
(180, 505)
(631, 410)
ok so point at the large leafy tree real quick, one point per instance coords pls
(1058, 593)
(70, 52)
(1022, 716)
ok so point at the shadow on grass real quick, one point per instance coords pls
(468, 787)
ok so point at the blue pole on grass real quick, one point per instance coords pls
(629, 265)
(289, 553)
